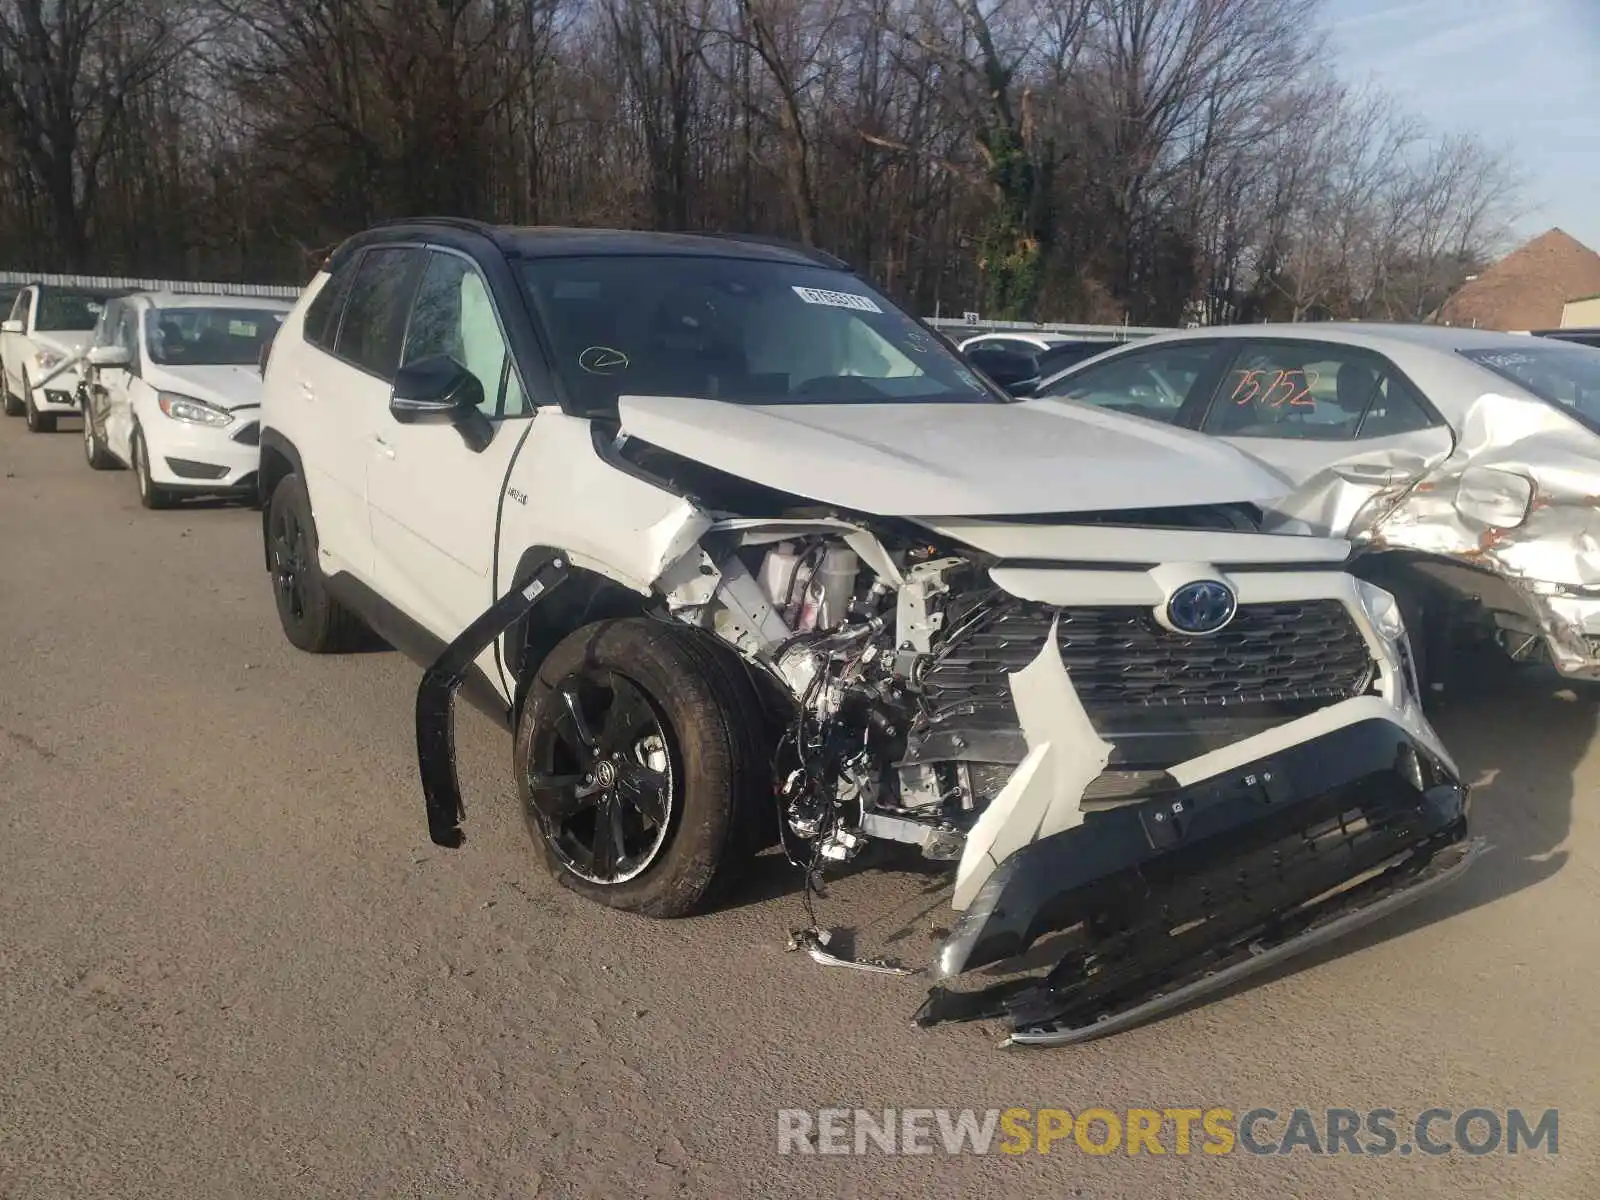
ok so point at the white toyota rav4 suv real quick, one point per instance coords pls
(743, 554)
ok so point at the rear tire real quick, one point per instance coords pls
(669, 760)
(95, 452)
(312, 618)
(151, 493)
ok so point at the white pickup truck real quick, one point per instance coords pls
(47, 326)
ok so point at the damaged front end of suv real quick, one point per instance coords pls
(1158, 747)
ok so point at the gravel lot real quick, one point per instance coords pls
(233, 964)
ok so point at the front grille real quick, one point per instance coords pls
(1120, 659)
(250, 435)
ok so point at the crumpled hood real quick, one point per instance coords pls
(226, 387)
(914, 459)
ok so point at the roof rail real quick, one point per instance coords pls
(466, 224)
(821, 257)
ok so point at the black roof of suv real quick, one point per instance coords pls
(555, 241)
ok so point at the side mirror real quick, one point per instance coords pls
(108, 356)
(439, 390)
(10, 326)
(1023, 388)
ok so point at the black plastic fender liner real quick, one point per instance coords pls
(436, 732)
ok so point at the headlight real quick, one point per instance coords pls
(49, 359)
(1382, 609)
(192, 411)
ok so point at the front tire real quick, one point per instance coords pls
(312, 618)
(95, 451)
(38, 422)
(640, 766)
(151, 493)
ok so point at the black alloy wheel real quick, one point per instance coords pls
(601, 779)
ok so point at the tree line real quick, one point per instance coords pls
(1154, 161)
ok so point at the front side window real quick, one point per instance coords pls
(62, 311)
(321, 321)
(744, 331)
(1313, 391)
(1152, 382)
(223, 336)
(375, 315)
(454, 316)
(1567, 376)
(19, 310)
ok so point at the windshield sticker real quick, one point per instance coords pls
(1511, 358)
(244, 329)
(603, 360)
(918, 341)
(837, 299)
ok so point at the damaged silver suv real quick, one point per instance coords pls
(744, 554)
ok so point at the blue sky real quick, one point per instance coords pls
(1519, 73)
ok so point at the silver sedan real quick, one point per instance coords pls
(1464, 464)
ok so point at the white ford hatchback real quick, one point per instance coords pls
(173, 390)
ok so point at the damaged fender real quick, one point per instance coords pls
(436, 742)
(1518, 497)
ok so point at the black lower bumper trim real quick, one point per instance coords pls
(188, 468)
(1146, 898)
(436, 737)
(1443, 868)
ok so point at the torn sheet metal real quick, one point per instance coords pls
(1518, 497)
(1044, 795)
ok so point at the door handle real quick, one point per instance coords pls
(306, 390)
(383, 447)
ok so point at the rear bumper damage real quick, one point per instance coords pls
(1156, 904)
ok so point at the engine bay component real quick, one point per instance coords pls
(1172, 806)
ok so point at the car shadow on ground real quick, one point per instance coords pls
(1518, 738)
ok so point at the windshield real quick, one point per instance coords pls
(195, 337)
(1565, 375)
(748, 332)
(63, 311)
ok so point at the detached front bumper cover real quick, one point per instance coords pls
(1159, 904)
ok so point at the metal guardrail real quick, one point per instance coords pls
(118, 282)
(957, 327)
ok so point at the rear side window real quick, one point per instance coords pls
(1313, 391)
(1004, 362)
(374, 321)
(1152, 382)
